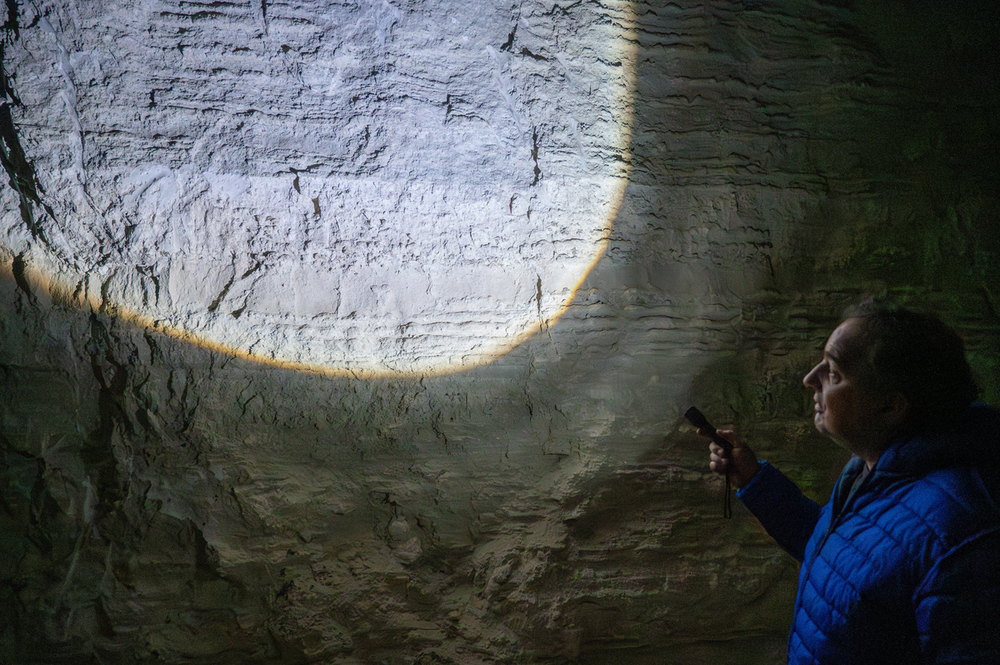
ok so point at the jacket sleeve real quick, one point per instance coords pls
(788, 515)
(957, 608)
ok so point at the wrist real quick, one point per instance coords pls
(743, 479)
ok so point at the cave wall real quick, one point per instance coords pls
(167, 501)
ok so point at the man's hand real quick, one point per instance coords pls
(741, 461)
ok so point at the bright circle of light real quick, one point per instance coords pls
(357, 189)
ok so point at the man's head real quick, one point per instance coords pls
(919, 356)
(885, 371)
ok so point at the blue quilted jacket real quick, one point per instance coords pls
(905, 566)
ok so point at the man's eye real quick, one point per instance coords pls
(834, 376)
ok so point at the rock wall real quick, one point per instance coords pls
(359, 186)
(168, 496)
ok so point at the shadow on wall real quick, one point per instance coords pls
(164, 503)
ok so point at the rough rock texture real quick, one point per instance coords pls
(164, 501)
(361, 186)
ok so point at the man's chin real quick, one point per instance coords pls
(818, 421)
(821, 428)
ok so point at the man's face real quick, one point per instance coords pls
(846, 410)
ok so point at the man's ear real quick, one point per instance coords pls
(896, 409)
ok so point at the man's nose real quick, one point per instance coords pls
(809, 380)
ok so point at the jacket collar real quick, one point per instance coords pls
(974, 441)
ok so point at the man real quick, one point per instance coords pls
(902, 565)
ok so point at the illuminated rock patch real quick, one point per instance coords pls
(365, 187)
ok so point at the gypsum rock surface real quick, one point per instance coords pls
(367, 187)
